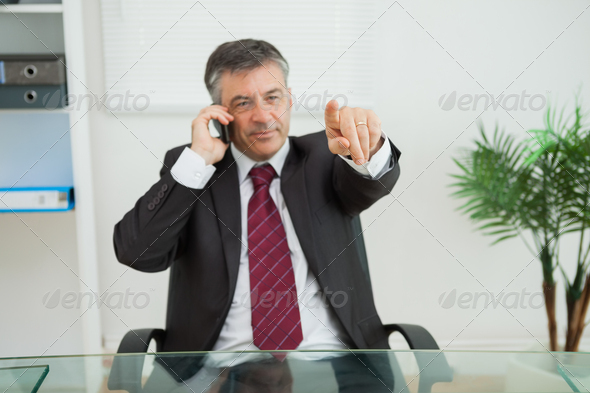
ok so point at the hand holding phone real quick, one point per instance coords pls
(203, 143)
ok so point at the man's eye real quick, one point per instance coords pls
(243, 103)
(272, 98)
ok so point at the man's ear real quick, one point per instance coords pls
(290, 99)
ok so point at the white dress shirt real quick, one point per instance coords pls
(321, 328)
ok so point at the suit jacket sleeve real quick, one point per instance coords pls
(357, 192)
(149, 237)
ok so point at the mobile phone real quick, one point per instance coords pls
(222, 129)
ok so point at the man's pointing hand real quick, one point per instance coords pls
(347, 137)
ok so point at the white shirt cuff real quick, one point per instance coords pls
(191, 171)
(377, 163)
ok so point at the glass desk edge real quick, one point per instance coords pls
(185, 353)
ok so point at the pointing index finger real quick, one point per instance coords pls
(332, 115)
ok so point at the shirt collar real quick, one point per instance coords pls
(245, 163)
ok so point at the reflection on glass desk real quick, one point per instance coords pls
(22, 379)
(302, 371)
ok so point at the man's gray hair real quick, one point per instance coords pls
(238, 56)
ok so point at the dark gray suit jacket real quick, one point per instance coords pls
(197, 233)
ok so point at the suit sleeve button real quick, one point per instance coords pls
(156, 200)
(160, 194)
(151, 206)
(164, 187)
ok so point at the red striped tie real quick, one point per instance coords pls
(276, 322)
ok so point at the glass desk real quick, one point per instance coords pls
(301, 371)
(22, 379)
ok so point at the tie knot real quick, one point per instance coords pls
(262, 175)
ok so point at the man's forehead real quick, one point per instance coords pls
(260, 80)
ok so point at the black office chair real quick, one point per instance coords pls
(126, 371)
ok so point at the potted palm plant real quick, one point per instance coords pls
(541, 185)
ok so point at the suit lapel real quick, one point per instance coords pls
(295, 195)
(225, 191)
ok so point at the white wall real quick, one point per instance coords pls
(419, 247)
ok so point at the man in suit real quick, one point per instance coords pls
(252, 227)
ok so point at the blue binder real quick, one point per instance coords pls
(35, 158)
(2, 76)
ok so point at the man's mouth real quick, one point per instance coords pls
(262, 134)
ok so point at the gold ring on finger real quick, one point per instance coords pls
(361, 123)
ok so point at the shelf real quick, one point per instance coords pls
(30, 111)
(31, 8)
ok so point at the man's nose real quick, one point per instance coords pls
(262, 114)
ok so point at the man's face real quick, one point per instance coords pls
(261, 107)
